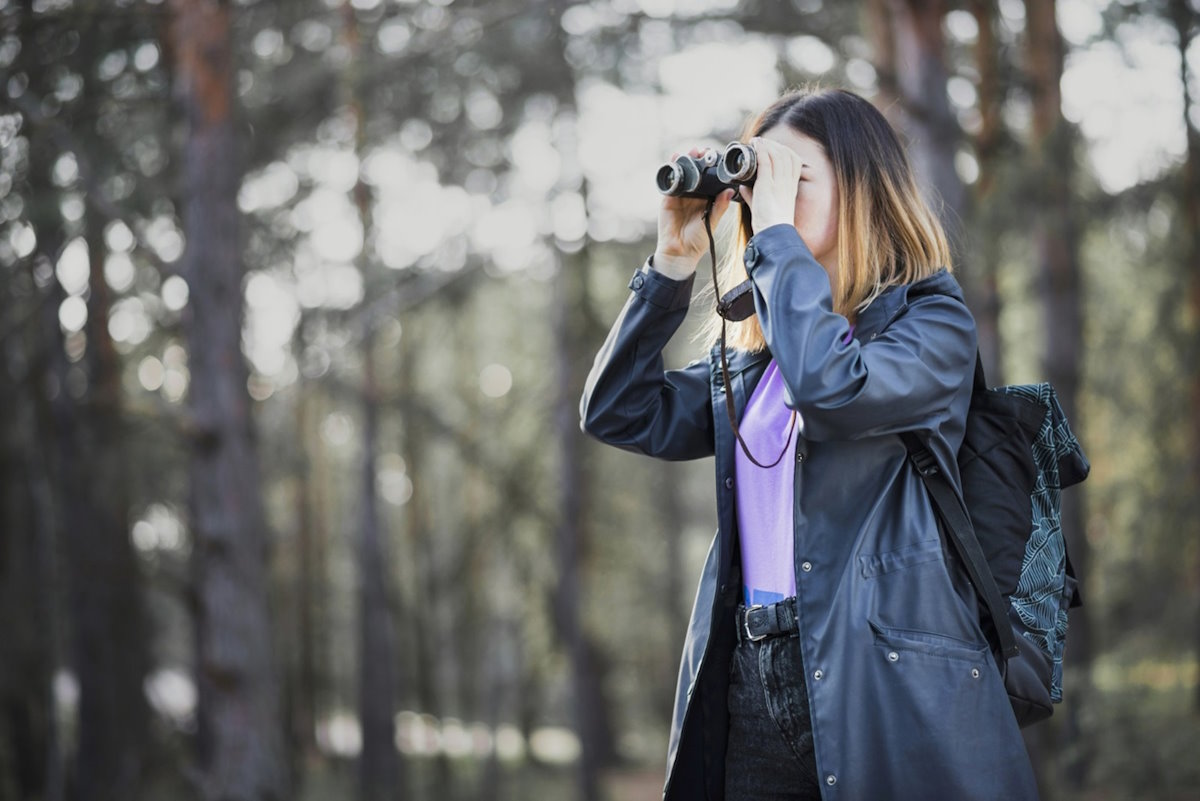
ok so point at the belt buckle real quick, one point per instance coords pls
(746, 624)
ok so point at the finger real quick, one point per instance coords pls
(765, 147)
(747, 195)
(780, 159)
(721, 202)
(760, 148)
(766, 157)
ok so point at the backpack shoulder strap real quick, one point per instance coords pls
(962, 534)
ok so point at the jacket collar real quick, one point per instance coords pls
(738, 360)
(890, 304)
(894, 301)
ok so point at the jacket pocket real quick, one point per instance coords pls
(908, 591)
(877, 564)
(895, 642)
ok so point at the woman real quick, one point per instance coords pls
(834, 650)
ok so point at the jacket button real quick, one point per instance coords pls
(806, 567)
(818, 674)
(831, 780)
(974, 673)
(638, 280)
(728, 482)
(893, 656)
(751, 254)
(799, 456)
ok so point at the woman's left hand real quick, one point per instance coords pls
(772, 199)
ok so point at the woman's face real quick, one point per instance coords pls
(816, 196)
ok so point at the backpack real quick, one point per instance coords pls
(1017, 455)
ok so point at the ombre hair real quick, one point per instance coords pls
(887, 234)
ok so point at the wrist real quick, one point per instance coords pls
(674, 266)
(767, 222)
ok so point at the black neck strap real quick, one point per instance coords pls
(729, 407)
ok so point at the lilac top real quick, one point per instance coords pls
(766, 498)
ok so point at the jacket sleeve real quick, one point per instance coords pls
(901, 379)
(630, 401)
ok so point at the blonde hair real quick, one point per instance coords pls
(887, 234)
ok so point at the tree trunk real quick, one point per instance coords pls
(82, 431)
(570, 528)
(304, 696)
(591, 721)
(310, 685)
(1056, 247)
(985, 303)
(502, 681)
(61, 490)
(109, 633)
(240, 731)
(379, 766)
(911, 64)
(379, 763)
(27, 585)
(32, 746)
(31, 651)
(60, 510)
(1184, 20)
(924, 112)
(881, 30)
(425, 576)
(1056, 241)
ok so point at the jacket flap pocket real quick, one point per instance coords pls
(877, 564)
(928, 643)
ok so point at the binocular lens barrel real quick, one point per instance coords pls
(710, 175)
(738, 164)
(683, 175)
(671, 178)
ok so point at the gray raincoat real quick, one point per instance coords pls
(906, 698)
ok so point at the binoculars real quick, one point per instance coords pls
(709, 175)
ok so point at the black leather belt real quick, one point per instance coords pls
(756, 623)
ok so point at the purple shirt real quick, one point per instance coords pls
(765, 497)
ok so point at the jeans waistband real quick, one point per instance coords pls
(756, 623)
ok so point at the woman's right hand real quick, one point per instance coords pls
(682, 240)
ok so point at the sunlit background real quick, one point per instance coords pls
(438, 204)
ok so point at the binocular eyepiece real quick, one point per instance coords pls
(709, 175)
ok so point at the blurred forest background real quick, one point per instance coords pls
(296, 304)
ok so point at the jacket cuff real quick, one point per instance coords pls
(776, 239)
(657, 289)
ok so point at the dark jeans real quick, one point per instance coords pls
(769, 756)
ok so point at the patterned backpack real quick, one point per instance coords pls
(1017, 455)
